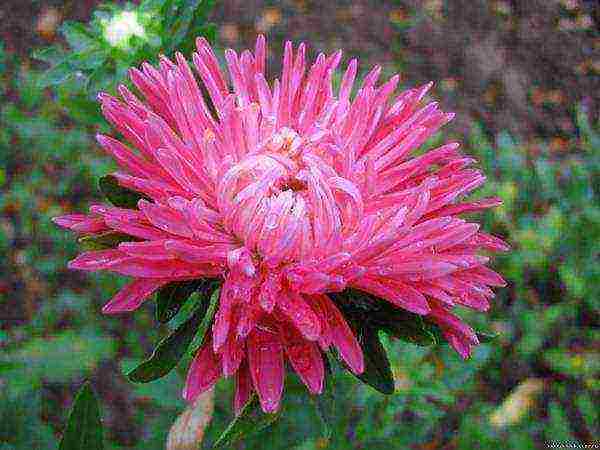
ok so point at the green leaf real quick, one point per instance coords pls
(99, 79)
(485, 337)
(181, 26)
(170, 298)
(250, 421)
(55, 75)
(83, 109)
(102, 241)
(208, 319)
(379, 314)
(377, 373)
(171, 349)
(77, 35)
(412, 328)
(91, 58)
(84, 428)
(152, 5)
(51, 55)
(117, 194)
(325, 403)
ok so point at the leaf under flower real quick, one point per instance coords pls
(250, 421)
(170, 298)
(171, 349)
(378, 372)
(376, 313)
(117, 194)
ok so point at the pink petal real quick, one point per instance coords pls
(460, 344)
(301, 315)
(97, 260)
(243, 388)
(165, 218)
(396, 293)
(145, 268)
(132, 295)
(81, 223)
(222, 323)
(147, 249)
(488, 276)
(125, 157)
(305, 357)
(342, 336)
(203, 373)
(452, 324)
(265, 358)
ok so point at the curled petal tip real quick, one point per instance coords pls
(74, 264)
(101, 139)
(109, 309)
(102, 96)
(269, 406)
(201, 42)
(61, 221)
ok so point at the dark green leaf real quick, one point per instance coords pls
(377, 313)
(250, 421)
(110, 239)
(378, 373)
(412, 328)
(188, 21)
(117, 194)
(170, 298)
(84, 428)
(171, 349)
(208, 318)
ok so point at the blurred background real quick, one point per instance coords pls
(523, 77)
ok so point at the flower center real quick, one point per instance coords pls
(293, 184)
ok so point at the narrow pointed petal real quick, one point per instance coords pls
(81, 223)
(301, 315)
(306, 359)
(265, 359)
(132, 295)
(98, 260)
(342, 336)
(203, 373)
(243, 388)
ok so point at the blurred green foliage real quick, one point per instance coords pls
(52, 335)
(118, 37)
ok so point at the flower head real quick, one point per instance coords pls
(287, 192)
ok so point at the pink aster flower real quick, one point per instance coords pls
(286, 192)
